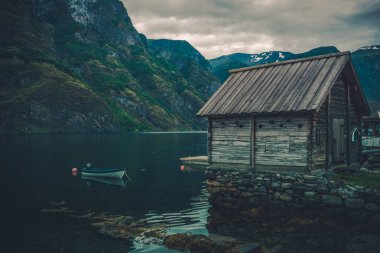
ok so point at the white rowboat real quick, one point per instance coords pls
(103, 173)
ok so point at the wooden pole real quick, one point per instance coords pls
(253, 141)
(209, 141)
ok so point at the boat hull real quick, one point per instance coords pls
(108, 181)
(104, 174)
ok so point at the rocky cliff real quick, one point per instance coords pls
(81, 66)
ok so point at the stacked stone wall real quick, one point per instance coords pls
(241, 190)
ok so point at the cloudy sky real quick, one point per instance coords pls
(219, 27)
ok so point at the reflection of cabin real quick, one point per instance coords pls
(294, 115)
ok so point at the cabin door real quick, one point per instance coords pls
(338, 140)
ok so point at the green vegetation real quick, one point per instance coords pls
(60, 75)
(360, 178)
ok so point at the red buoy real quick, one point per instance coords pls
(74, 171)
(182, 167)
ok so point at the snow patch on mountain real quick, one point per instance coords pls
(369, 48)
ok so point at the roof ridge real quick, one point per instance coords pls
(289, 61)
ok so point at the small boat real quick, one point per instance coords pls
(107, 180)
(104, 173)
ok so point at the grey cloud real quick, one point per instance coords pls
(217, 27)
(368, 13)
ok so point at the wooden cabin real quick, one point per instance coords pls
(297, 115)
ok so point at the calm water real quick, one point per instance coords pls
(37, 171)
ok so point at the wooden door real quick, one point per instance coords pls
(338, 140)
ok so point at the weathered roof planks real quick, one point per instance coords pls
(289, 86)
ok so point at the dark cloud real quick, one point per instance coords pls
(368, 14)
(217, 27)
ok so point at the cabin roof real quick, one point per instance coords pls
(299, 85)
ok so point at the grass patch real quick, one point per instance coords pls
(361, 178)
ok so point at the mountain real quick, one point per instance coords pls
(81, 66)
(367, 65)
(188, 61)
(366, 61)
(222, 64)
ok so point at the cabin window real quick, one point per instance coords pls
(355, 135)
(260, 126)
(299, 125)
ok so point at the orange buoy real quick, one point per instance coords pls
(182, 167)
(74, 171)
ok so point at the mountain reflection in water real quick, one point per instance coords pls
(37, 173)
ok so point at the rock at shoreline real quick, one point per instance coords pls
(332, 200)
(209, 244)
(354, 203)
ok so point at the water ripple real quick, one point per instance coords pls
(191, 220)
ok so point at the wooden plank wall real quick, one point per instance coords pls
(231, 141)
(319, 137)
(282, 141)
(338, 109)
(355, 122)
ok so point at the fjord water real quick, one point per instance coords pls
(37, 172)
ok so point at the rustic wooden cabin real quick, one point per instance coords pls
(297, 115)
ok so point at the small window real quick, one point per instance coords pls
(299, 125)
(355, 135)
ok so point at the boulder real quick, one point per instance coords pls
(286, 185)
(372, 207)
(310, 195)
(211, 244)
(332, 200)
(367, 166)
(285, 197)
(210, 174)
(354, 203)
(211, 183)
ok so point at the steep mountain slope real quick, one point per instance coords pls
(366, 61)
(80, 66)
(367, 66)
(186, 59)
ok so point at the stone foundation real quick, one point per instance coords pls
(240, 191)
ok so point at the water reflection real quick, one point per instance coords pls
(191, 220)
(37, 172)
